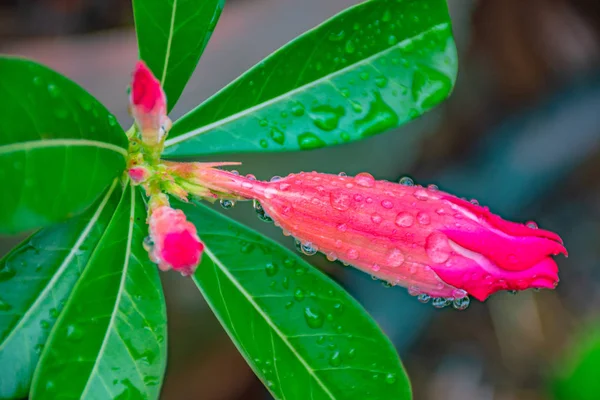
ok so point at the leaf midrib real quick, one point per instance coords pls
(64, 264)
(248, 111)
(268, 320)
(49, 143)
(169, 44)
(119, 293)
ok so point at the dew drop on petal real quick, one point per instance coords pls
(395, 258)
(365, 179)
(387, 204)
(352, 254)
(423, 218)
(423, 298)
(340, 200)
(461, 303)
(406, 181)
(404, 219)
(376, 218)
(421, 194)
(532, 225)
(437, 247)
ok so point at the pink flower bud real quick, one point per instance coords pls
(138, 174)
(424, 239)
(175, 243)
(148, 104)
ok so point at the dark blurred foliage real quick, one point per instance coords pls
(521, 133)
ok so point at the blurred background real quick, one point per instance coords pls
(521, 133)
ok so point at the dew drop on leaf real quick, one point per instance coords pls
(379, 118)
(309, 141)
(271, 269)
(314, 317)
(336, 359)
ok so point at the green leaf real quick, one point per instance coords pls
(109, 342)
(172, 34)
(576, 377)
(36, 279)
(59, 147)
(369, 69)
(302, 334)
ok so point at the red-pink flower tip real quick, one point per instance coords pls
(148, 103)
(174, 242)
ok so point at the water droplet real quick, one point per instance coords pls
(406, 181)
(227, 204)
(390, 378)
(474, 201)
(326, 117)
(314, 317)
(297, 110)
(379, 118)
(440, 302)
(387, 204)
(363, 75)
(271, 269)
(423, 298)
(461, 303)
(342, 174)
(437, 247)
(6, 273)
(260, 212)
(404, 219)
(423, 218)
(53, 90)
(350, 47)
(340, 200)
(299, 294)
(310, 141)
(421, 195)
(532, 225)
(345, 136)
(392, 40)
(375, 268)
(365, 179)
(342, 227)
(54, 313)
(429, 86)
(395, 258)
(352, 254)
(336, 359)
(38, 348)
(306, 248)
(74, 333)
(433, 188)
(381, 81)
(376, 218)
(263, 143)
(112, 121)
(337, 36)
(277, 136)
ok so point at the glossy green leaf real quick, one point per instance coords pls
(109, 341)
(59, 147)
(172, 34)
(36, 279)
(369, 69)
(576, 377)
(302, 334)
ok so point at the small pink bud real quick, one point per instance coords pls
(421, 238)
(175, 242)
(138, 174)
(148, 104)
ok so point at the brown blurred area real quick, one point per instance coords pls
(516, 56)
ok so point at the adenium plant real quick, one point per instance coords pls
(82, 312)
